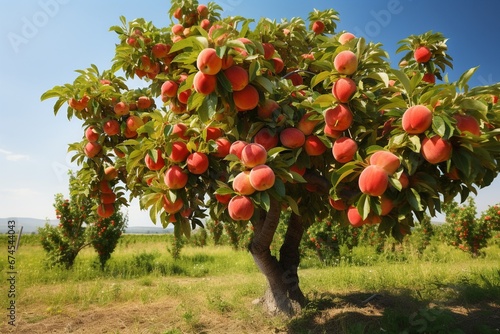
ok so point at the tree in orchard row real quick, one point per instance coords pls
(240, 120)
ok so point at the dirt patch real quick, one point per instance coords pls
(329, 313)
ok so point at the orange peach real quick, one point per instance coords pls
(240, 208)
(121, 109)
(208, 62)
(91, 149)
(338, 204)
(105, 210)
(247, 98)
(204, 83)
(344, 149)
(237, 76)
(314, 146)
(266, 138)
(331, 133)
(134, 122)
(416, 119)
(110, 173)
(307, 123)
(386, 160)
(386, 205)
(107, 198)
(346, 62)
(467, 123)
(436, 149)
(144, 102)
(172, 207)
(242, 185)
(237, 147)
(343, 89)
(265, 110)
(262, 177)
(253, 154)
(373, 181)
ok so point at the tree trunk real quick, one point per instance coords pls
(283, 295)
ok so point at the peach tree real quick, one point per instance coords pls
(239, 120)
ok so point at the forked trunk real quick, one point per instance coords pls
(283, 295)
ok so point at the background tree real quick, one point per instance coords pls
(79, 227)
(239, 120)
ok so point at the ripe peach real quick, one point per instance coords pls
(386, 205)
(197, 163)
(266, 138)
(177, 29)
(299, 170)
(134, 122)
(104, 187)
(268, 50)
(240, 208)
(175, 177)
(172, 207)
(344, 149)
(338, 204)
(422, 54)
(119, 153)
(204, 83)
(202, 11)
(160, 50)
(404, 180)
(179, 152)
(386, 160)
(247, 98)
(213, 133)
(91, 134)
(107, 198)
(354, 217)
(127, 133)
(91, 149)
(144, 102)
(223, 199)
(292, 138)
(373, 181)
(105, 210)
(429, 78)
(121, 108)
(179, 130)
(262, 177)
(416, 119)
(110, 173)
(237, 76)
(152, 164)
(346, 62)
(223, 146)
(467, 123)
(265, 110)
(436, 149)
(168, 90)
(237, 147)
(339, 118)
(278, 64)
(318, 27)
(331, 133)
(183, 96)
(346, 37)
(296, 78)
(227, 62)
(314, 146)
(242, 185)
(307, 124)
(343, 89)
(208, 62)
(253, 154)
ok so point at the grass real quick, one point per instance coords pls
(212, 289)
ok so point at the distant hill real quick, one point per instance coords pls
(31, 225)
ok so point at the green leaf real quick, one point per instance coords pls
(474, 105)
(324, 101)
(319, 78)
(405, 81)
(186, 228)
(265, 201)
(293, 205)
(414, 200)
(253, 70)
(464, 79)
(363, 206)
(279, 187)
(264, 83)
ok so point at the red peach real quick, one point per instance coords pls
(416, 119)
(91, 134)
(180, 130)
(168, 90)
(265, 110)
(175, 177)
(91, 149)
(344, 149)
(172, 207)
(121, 109)
(354, 217)
(213, 133)
(152, 164)
(436, 149)
(373, 181)
(318, 27)
(292, 138)
(253, 154)
(204, 83)
(240, 208)
(223, 199)
(268, 50)
(467, 123)
(262, 177)
(422, 54)
(278, 64)
(343, 89)
(307, 124)
(314, 146)
(237, 147)
(237, 76)
(223, 146)
(110, 173)
(338, 204)
(105, 210)
(247, 98)
(197, 163)
(339, 118)
(134, 122)
(179, 152)
(266, 138)
(386, 160)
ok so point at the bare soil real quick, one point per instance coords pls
(329, 313)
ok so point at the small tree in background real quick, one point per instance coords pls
(80, 227)
(463, 230)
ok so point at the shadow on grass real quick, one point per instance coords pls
(399, 311)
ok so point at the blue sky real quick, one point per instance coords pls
(42, 42)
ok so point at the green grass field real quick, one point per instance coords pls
(214, 289)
